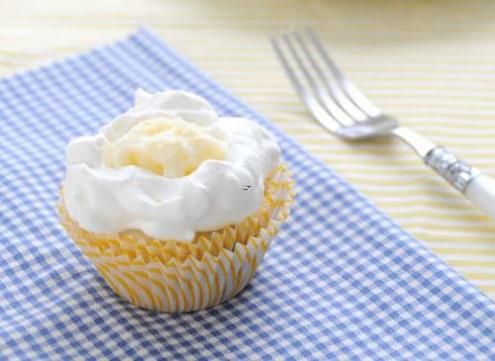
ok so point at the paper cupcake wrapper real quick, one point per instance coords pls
(174, 276)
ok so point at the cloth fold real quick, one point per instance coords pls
(342, 280)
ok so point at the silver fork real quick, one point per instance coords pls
(338, 105)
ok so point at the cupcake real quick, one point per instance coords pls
(174, 205)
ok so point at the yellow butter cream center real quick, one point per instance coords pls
(168, 147)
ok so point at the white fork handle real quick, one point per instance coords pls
(476, 185)
(481, 191)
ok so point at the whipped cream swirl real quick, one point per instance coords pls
(107, 199)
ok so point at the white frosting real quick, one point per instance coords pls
(219, 192)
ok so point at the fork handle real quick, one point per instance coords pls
(476, 185)
(481, 191)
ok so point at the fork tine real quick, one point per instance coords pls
(333, 94)
(320, 113)
(354, 94)
(322, 95)
(287, 67)
(324, 54)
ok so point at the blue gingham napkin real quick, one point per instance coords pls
(341, 281)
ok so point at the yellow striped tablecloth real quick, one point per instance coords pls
(432, 63)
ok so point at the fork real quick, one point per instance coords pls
(338, 105)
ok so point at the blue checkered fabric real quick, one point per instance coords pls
(342, 281)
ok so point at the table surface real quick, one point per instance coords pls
(432, 63)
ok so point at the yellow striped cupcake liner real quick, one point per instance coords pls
(174, 276)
